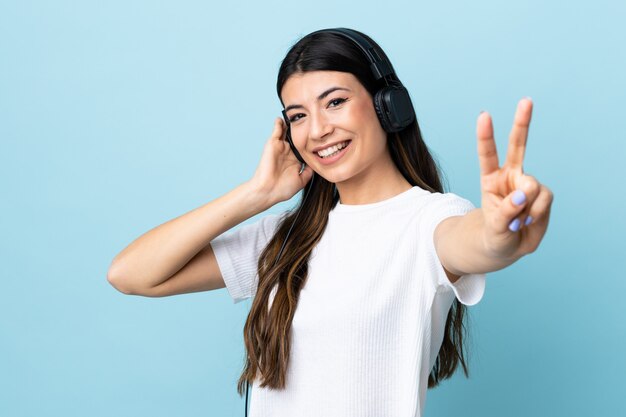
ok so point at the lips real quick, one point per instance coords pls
(333, 155)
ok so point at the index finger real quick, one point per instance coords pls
(487, 153)
(519, 133)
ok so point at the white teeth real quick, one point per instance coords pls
(328, 151)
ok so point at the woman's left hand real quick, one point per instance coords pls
(515, 206)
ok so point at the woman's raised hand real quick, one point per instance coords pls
(516, 207)
(278, 173)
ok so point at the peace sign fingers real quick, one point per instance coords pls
(519, 134)
(487, 153)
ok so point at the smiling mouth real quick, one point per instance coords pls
(333, 150)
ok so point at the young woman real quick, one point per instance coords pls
(359, 292)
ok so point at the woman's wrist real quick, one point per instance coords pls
(259, 198)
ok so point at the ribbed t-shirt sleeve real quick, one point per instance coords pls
(237, 253)
(469, 288)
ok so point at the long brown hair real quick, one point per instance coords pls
(267, 331)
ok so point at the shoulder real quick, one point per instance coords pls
(257, 231)
(271, 221)
(442, 205)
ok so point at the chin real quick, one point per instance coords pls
(334, 177)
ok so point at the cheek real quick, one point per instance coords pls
(366, 116)
(369, 125)
(297, 137)
(300, 145)
(365, 109)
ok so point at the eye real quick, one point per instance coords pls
(293, 118)
(337, 100)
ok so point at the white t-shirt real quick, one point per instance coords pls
(371, 315)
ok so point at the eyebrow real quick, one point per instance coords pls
(320, 97)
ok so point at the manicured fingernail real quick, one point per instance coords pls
(514, 225)
(529, 219)
(518, 197)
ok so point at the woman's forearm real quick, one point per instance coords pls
(161, 252)
(461, 248)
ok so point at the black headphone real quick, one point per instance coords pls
(392, 102)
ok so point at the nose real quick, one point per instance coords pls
(319, 126)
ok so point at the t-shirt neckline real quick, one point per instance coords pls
(340, 208)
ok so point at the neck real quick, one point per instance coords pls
(375, 185)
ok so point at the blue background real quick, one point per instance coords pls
(118, 116)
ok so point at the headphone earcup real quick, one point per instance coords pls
(394, 108)
(380, 111)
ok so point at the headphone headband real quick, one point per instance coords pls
(380, 66)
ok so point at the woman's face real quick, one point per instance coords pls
(327, 108)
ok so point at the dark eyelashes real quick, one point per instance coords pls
(339, 100)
